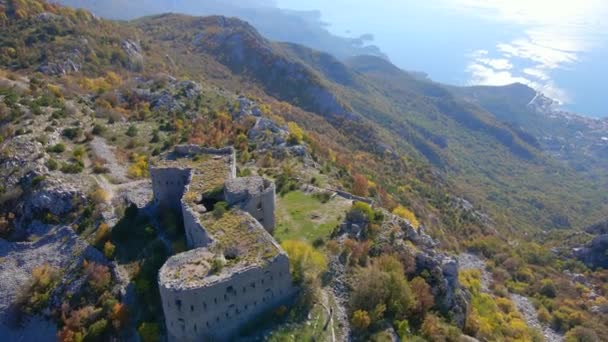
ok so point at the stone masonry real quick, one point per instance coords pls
(235, 271)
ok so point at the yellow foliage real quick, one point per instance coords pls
(304, 259)
(100, 196)
(407, 214)
(109, 249)
(139, 168)
(102, 234)
(55, 89)
(101, 84)
(296, 134)
(361, 320)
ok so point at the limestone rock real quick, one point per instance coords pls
(594, 254)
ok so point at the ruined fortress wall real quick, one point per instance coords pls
(168, 185)
(196, 236)
(191, 150)
(218, 311)
(262, 207)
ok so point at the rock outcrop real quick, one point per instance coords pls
(594, 255)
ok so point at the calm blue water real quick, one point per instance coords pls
(563, 52)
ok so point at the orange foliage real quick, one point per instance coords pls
(360, 185)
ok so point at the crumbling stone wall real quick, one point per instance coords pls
(193, 150)
(216, 311)
(254, 195)
(196, 235)
(169, 185)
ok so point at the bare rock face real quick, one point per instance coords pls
(594, 255)
(57, 201)
(133, 51)
(451, 299)
(63, 65)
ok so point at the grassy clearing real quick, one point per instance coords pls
(310, 330)
(304, 217)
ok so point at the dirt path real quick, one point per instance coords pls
(528, 311)
(469, 261)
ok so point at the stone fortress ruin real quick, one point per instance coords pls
(235, 270)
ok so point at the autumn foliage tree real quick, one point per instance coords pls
(360, 185)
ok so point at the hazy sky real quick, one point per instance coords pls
(555, 46)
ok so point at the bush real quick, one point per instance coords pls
(139, 168)
(149, 332)
(100, 196)
(548, 288)
(383, 284)
(72, 132)
(361, 208)
(581, 334)
(304, 260)
(296, 134)
(219, 209)
(57, 148)
(360, 320)
(98, 129)
(407, 214)
(96, 330)
(217, 265)
(98, 276)
(109, 249)
(132, 131)
(37, 293)
(76, 166)
(102, 234)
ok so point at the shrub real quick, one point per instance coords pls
(360, 208)
(219, 209)
(360, 185)
(102, 234)
(360, 320)
(57, 148)
(100, 196)
(217, 265)
(37, 293)
(548, 288)
(581, 334)
(76, 166)
(149, 332)
(139, 168)
(132, 131)
(383, 283)
(296, 134)
(407, 214)
(543, 315)
(72, 132)
(98, 276)
(109, 249)
(96, 330)
(98, 129)
(304, 260)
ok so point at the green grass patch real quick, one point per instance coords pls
(304, 217)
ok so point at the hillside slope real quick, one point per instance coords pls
(385, 109)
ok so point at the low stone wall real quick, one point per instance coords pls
(196, 236)
(350, 196)
(218, 311)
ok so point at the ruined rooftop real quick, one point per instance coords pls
(210, 170)
(240, 243)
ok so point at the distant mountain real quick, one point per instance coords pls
(580, 141)
(383, 109)
(300, 27)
